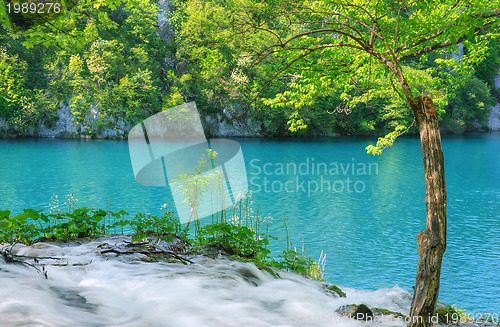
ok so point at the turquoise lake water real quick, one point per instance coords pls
(365, 219)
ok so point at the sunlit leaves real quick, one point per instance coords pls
(295, 123)
(20, 106)
(470, 108)
(111, 74)
(386, 141)
(358, 46)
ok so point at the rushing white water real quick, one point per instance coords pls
(86, 288)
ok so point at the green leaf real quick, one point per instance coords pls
(4, 214)
(470, 34)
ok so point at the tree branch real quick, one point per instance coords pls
(495, 13)
(290, 64)
(434, 47)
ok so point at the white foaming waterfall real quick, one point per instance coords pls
(86, 288)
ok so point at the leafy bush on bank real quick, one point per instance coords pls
(246, 237)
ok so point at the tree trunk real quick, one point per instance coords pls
(431, 241)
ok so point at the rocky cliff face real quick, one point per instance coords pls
(494, 122)
(67, 127)
(165, 31)
(224, 125)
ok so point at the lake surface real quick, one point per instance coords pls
(365, 219)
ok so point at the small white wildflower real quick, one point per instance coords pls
(235, 220)
(240, 197)
(268, 220)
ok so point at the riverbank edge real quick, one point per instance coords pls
(256, 136)
(218, 126)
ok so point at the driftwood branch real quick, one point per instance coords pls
(7, 255)
(148, 253)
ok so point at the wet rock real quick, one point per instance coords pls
(173, 243)
(72, 298)
(249, 276)
(386, 312)
(335, 290)
(211, 251)
(358, 312)
(149, 249)
(263, 267)
(260, 265)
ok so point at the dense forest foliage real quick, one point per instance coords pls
(115, 66)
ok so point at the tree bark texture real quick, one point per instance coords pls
(432, 240)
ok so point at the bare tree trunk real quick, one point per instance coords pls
(431, 241)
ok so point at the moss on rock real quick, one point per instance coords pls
(259, 264)
(447, 315)
(263, 266)
(387, 312)
(334, 289)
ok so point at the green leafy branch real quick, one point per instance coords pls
(388, 140)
